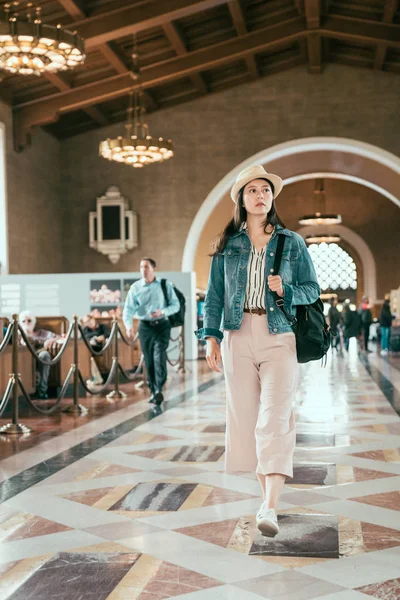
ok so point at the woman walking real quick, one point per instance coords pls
(257, 342)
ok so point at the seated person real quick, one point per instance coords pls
(42, 340)
(97, 335)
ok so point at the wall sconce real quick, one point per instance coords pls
(113, 228)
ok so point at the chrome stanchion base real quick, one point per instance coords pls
(115, 394)
(14, 429)
(75, 409)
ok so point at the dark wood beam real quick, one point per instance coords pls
(93, 112)
(389, 12)
(131, 19)
(312, 12)
(241, 29)
(73, 8)
(361, 31)
(46, 110)
(176, 41)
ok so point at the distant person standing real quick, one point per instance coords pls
(351, 325)
(366, 320)
(145, 301)
(334, 320)
(385, 321)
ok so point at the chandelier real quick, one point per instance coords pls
(136, 147)
(28, 47)
(323, 238)
(320, 217)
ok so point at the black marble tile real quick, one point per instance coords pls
(72, 576)
(198, 454)
(315, 440)
(301, 535)
(311, 474)
(18, 483)
(155, 497)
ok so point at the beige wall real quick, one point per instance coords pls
(34, 203)
(375, 218)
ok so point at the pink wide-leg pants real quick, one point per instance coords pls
(261, 373)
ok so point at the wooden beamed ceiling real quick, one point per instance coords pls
(188, 48)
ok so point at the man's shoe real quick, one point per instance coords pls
(158, 398)
(152, 398)
(267, 521)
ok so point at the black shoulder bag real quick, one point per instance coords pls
(313, 334)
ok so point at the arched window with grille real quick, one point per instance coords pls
(336, 270)
(3, 205)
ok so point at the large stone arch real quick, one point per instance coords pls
(328, 157)
(362, 249)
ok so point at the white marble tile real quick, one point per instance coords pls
(223, 592)
(354, 571)
(222, 564)
(362, 488)
(46, 544)
(345, 595)
(204, 514)
(362, 512)
(63, 511)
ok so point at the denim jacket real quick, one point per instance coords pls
(227, 283)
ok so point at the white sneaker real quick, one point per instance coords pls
(384, 352)
(267, 521)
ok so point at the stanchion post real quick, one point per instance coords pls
(76, 408)
(116, 393)
(182, 351)
(15, 428)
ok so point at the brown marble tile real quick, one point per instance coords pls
(379, 538)
(88, 497)
(387, 590)
(368, 474)
(218, 533)
(31, 526)
(376, 455)
(171, 580)
(389, 500)
(220, 496)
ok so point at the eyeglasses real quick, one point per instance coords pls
(27, 321)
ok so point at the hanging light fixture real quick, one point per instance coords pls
(320, 217)
(136, 147)
(323, 238)
(29, 47)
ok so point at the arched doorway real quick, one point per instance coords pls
(336, 158)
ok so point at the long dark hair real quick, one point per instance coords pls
(240, 216)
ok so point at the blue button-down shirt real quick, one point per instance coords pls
(144, 298)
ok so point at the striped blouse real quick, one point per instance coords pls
(255, 290)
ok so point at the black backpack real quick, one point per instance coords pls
(177, 319)
(313, 334)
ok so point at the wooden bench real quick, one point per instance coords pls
(26, 364)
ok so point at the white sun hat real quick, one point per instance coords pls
(255, 172)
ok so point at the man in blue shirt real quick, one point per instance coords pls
(145, 301)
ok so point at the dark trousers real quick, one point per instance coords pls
(154, 340)
(365, 330)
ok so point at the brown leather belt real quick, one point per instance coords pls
(255, 311)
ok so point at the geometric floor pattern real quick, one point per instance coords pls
(152, 515)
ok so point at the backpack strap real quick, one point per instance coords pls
(277, 265)
(164, 289)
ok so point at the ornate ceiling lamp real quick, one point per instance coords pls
(320, 217)
(29, 47)
(136, 147)
(323, 238)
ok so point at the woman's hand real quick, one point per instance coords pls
(275, 284)
(213, 354)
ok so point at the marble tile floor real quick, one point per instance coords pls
(145, 510)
